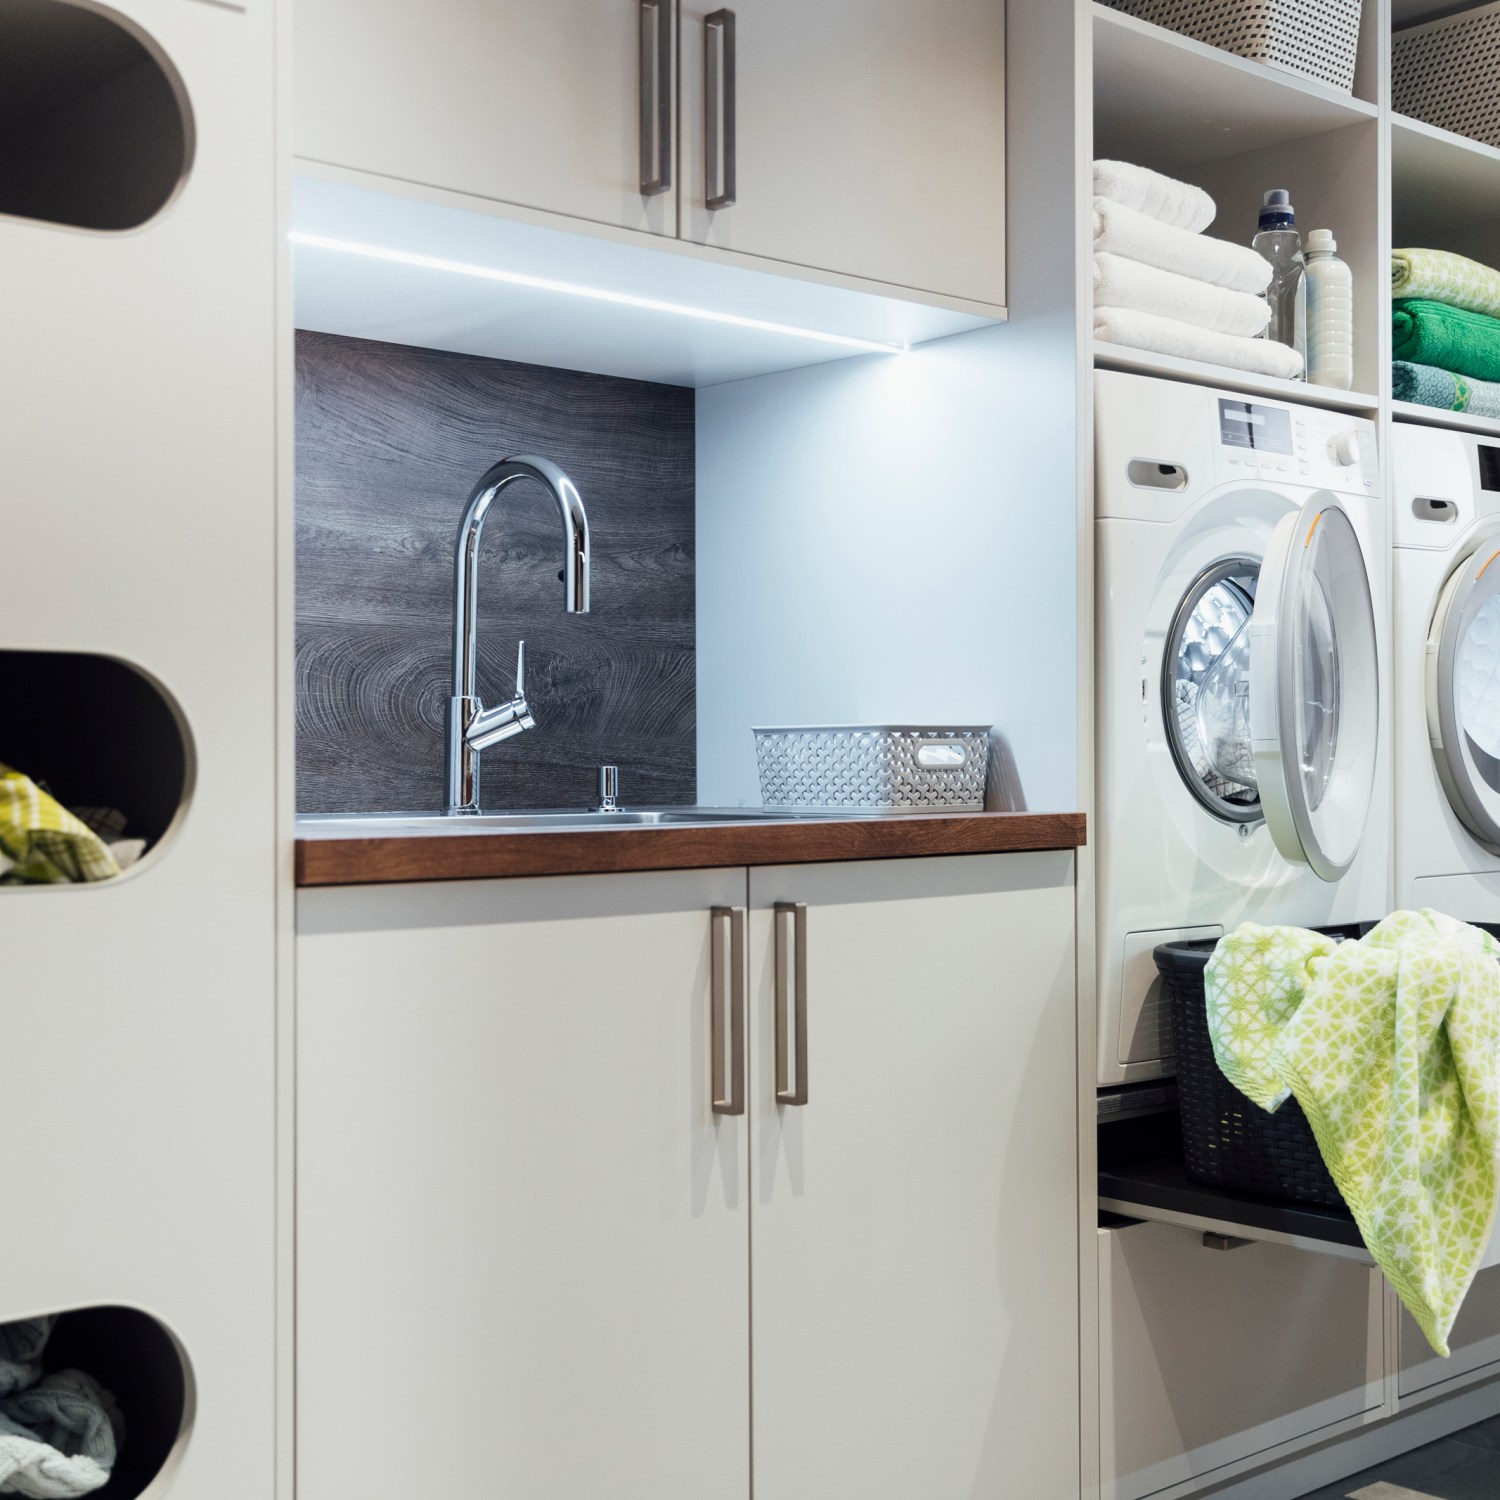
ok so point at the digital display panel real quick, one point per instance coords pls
(1489, 467)
(1266, 429)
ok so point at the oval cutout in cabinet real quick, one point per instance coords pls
(102, 737)
(147, 1372)
(95, 126)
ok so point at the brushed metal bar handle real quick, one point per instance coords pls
(791, 1010)
(656, 97)
(727, 924)
(718, 110)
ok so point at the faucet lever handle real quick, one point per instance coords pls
(521, 669)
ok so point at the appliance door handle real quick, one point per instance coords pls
(727, 925)
(791, 1008)
(656, 97)
(718, 110)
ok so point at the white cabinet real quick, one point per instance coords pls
(523, 1232)
(514, 1188)
(869, 138)
(533, 104)
(1211, 1358)
(866, 138)
(914, 1222)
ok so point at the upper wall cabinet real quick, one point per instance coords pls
(859, 136)
(540, 105)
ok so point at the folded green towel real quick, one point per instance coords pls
(1442, 276)
(1429, 386)
(1432, 333)
(1391, 1045)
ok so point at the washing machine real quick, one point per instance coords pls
(1446, 530)
(1241, 683)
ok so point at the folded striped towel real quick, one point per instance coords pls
(1441, 276)
(1426, 385)
(1143, 330)
(1119, 282)
(1122, 231)
(1432, 333)
(1179, 204)
(42, 843)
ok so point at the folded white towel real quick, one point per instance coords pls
(1122, 231)
(1143, 330)
(1179, 204)
(1119, 282)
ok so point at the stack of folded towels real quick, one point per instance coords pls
(1446, 331)
(1161, 284)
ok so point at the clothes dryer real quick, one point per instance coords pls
(1241, 688)
(1446, 583)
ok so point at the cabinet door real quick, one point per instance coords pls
(1210, 1358)
(522, 1231)
(533, 104)
(914, 1249)
(1474, 1342)
(869, 138)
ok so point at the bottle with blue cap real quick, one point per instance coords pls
(1279, 242)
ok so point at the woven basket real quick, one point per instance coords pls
(1228, 1141)
(1316, 38)
(1447, 73)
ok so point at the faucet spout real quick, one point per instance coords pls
(470, 726)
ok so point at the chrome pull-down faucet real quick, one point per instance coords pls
(471, 726)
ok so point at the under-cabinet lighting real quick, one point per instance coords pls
(597, 294)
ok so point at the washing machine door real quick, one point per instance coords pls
(1463, 691)
(1314, 696)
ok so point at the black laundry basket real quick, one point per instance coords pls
(1227, 1140)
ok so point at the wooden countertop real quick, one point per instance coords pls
(327, 860)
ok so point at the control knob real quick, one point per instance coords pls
(1343, 448)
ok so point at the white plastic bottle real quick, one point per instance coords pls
(1330, 314)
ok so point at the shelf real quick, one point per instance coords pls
(1439, 182)
(1432, 416)
(407, 269)
(1142, 362)
(1173, 103)
(1159, 1190)
(1406, 13)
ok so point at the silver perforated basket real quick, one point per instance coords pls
(1316, 38)
(877, 767)
(1447, 73)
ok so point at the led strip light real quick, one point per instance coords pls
(596, 294)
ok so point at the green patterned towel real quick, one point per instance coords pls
(41, 842)
(1391, 1045)
(1441, 276)
(1431, 333)
(1429, 386)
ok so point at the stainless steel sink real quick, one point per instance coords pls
(384, 825)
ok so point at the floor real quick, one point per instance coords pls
(1465, 1466)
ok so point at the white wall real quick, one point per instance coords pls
(892, 539)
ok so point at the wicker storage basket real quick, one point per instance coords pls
(1447, 73)
(1226, 1140)
(1316, 38)
(877, 767)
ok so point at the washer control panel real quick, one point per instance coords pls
(1295, 445)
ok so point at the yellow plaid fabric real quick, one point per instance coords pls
(41, 842)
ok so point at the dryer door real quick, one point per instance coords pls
(1463, 691)
(1314, 688)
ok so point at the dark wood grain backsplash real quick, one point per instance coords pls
(390, 441)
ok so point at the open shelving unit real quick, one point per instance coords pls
(1234, 128)
(1378, 179)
